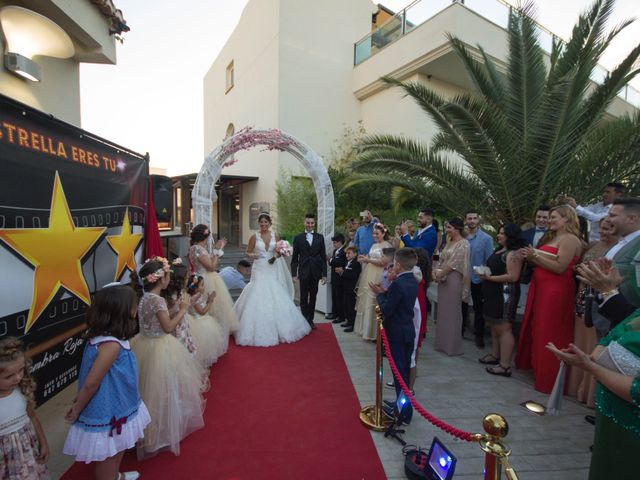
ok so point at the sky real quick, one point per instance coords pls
(151, 100)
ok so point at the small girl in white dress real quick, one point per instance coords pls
(108, 414)
(23, 446)
(206, 330)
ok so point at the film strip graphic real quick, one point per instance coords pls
(66, 312)
(111, 216)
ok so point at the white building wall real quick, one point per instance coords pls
(293, 62)
(253, 101)
(59, 91)
(294, 71)
(389, 111)
(316, 65)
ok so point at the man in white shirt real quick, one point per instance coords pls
(234, 278)
(624, 217)
(596, 212)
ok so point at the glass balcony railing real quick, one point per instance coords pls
(496, 11)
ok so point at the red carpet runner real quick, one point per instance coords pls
(285, 412)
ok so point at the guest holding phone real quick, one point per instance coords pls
(506, 265)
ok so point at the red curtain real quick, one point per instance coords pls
(153, 242)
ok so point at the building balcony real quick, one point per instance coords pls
(415, 41)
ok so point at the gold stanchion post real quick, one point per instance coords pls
(372, 416)
(496, 451)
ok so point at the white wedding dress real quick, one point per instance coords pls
(265, 308)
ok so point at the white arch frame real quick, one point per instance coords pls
(204, 191)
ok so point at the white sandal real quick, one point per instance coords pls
(129, 475)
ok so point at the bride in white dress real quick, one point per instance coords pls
(265, 308)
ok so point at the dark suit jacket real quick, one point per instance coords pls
(338, 259)
(308, 262)
(527, 268)
(350, 275)
(397, 307)
(616, 309)
(528, 235)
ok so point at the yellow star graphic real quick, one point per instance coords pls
(125, 246)
(56, 253)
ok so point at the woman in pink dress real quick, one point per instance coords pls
(550, 310)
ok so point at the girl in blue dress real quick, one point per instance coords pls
(108, 414)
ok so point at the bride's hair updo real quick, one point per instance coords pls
(383, 230)
(266, 216)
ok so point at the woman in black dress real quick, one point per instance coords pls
(501, 292)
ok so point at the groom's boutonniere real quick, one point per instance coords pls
(283, 249)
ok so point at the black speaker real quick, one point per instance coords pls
(162, 197)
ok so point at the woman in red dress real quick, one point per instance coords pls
(549, 314)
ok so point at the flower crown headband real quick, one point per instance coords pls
(194, 281)
(381, 226)
(158, 274)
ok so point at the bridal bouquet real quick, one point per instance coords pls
(283, 249)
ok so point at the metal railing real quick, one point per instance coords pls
(496, 11)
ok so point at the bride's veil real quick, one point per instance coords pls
(283, 274)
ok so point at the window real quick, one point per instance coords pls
(229, 76)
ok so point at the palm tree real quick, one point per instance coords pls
(535, 128)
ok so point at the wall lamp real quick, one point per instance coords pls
(28, 34)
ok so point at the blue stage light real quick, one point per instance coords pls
(441, 463)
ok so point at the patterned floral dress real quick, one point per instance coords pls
(19, 445)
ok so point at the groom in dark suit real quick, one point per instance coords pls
(308, 266)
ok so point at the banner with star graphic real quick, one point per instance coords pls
(72, 217)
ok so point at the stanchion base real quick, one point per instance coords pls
(368, 419)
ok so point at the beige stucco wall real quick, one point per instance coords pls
(315, 71)
(253, 100)
(294, 71)
(59, 91)
(293, 61)
(425, 44)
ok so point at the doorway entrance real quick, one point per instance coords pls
(229, 213)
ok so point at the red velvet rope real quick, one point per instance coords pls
(469, 437)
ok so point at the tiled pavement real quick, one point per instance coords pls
(456, 389)
(460, 392)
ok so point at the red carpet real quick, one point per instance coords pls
(285, 412)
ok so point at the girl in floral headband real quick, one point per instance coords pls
(206, 330)
(203, 263)
(179, 301)
(155, 275)
(171, 379)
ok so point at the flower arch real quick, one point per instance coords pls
(204, 192)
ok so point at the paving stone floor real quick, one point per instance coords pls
(456, 389)
(460, 392)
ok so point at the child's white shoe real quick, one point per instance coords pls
(129, 475)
